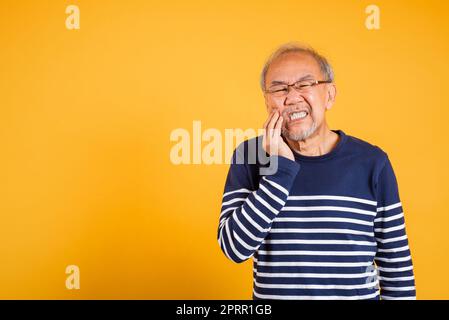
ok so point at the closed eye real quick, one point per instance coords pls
(279, 89)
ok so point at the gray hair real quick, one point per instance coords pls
(325, 66)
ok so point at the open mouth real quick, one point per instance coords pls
(298, 115)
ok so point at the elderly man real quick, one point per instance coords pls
(328, 223)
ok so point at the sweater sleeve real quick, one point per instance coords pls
(393, 258)
(247, 215)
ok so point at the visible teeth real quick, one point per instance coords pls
(298, 115)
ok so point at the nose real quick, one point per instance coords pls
(293, 97)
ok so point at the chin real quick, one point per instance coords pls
(300, 134)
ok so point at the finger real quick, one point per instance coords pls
(278, 128)
(266, 140)
(268, 119)
(265, 124)
(279, 123)
(266, 133)
(272, 123)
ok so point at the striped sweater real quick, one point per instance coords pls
(320, 227)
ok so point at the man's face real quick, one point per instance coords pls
(288, 69)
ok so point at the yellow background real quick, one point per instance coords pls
(86, 116)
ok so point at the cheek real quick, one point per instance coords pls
(311, 100)
(316, 105)
(273, 104)
(318, 115)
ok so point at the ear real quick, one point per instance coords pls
(331, 94)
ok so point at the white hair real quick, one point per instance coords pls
(325, 66)
(299, 136)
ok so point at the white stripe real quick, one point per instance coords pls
(395, 269)
(247, 232)
(386, 230)
(398, 288)
(254, 223)
(220, 240)
(397, 279)
(312, 264)
(276, 185)
(316, 253)
(266, 204)
(317, 275)
(397, 298)
(243, 190)
(232, 201)
(226, 210)
(395, 217)
(272, 196)
(220, 234)
(392, 239)
(394, 249)
(311, 230)
(392, 206)
(328, 197)
(301, 241)
(328, 208)
(326, 219)
(243, 243)
(259, 213)
(236, 252)
(401, 259)
(316, 286)
(279, 297)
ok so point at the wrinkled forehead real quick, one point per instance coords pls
(292, 67)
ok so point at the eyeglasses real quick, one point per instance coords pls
(282, 90)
